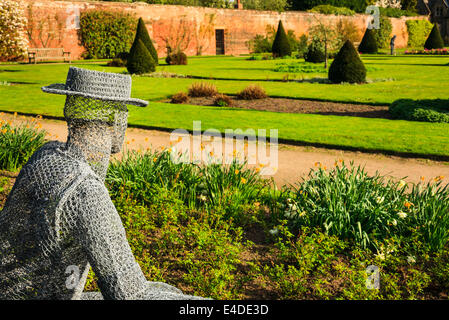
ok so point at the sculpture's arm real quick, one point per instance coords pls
(99, 230)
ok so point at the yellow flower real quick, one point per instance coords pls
(257, 169)
(243, 180)
(154, 159)
(146, 139)
(401, 183)
(236, 171)
(15, 114)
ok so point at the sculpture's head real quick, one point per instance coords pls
(95, 108)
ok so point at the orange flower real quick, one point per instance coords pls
(408, 204)
(236, 171)
(146, 139)
(243, 180)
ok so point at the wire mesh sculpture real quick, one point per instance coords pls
(59, 220)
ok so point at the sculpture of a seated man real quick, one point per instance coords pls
(59, 220)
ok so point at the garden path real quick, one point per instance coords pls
(294, 162)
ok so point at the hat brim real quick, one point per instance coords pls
(59, 88)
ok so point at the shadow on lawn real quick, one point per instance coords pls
(10, 70)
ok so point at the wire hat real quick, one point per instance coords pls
(93, 84)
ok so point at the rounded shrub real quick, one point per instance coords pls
(347, 66)
(142, 34)
(139, 59)
(368, 43)
(434, 41)
(176, 58)
(281, 44)
(421, 110)
(315, 52)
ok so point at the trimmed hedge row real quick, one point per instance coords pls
(421, 110)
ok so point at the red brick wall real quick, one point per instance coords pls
(49, 21)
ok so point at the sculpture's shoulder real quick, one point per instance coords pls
(50, 170)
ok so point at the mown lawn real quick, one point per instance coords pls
(414, 77)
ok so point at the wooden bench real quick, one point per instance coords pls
(46, 54)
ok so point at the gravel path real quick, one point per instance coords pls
(294, 162)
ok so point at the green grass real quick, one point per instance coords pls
(407, 77)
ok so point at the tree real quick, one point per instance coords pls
(281, 44)
(409, 5)
(140, 59)
(142, 34)
(434, 41)
(324, 34)
(347, 66)
(368, 43)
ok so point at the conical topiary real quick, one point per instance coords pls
(142, 34)
(434, 41)
(347, 66)
(281, 45)
(369, 43)
(139, 59)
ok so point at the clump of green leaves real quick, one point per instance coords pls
(18, 143)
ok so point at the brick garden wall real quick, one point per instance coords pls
(51, 24)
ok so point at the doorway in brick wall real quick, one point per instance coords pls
(219, 41)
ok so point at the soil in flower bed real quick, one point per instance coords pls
(302, 106)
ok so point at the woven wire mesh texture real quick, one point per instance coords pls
(59, 220)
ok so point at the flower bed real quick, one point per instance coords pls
(443, 51)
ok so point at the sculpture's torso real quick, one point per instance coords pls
(36, 247)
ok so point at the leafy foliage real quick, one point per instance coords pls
(383, 34)
(355, 5)
(434, 41)
(349, 203)
(421, 110)
(418, 31)
(328, 9)
(104, 34)
(18, 143)
(140, 60)
(347, 66)
(281, 45)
